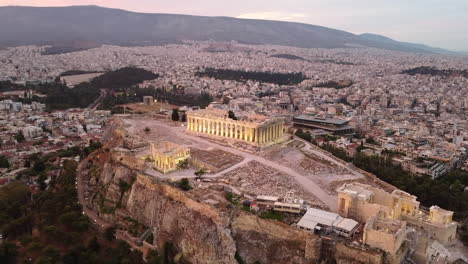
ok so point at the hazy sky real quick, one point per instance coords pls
(440, 23)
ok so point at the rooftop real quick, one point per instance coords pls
(166, 148)
(440, 210)
(362, 191)
(387, 225)
(221, 113)
(332, 121)
(314, 217)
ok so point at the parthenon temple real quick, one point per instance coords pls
(256, 130)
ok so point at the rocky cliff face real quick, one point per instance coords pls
(203, 233)
(258, 240)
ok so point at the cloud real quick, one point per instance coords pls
(282, 16)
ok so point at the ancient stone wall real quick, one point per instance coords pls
(128, 161)
(272, 242)
(355, 254)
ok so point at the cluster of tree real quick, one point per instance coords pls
(179, 98)
(63, 233)
(75, 72)
(433, 71)
(9, 86)
(337, 152)
(93, 146)
(20, 137)
(4, 163)
(59, 96)
(231, 115)
(464, 234)
(184, 184)
(123, 78)
(287, 57)
(304, 135)
(446, 192)
(134, 95)
(265, 94)
(337, 62)
(167, 256)
(68, 48)
(175, 115)
(266, 77)
(16, 217)
(335, 84)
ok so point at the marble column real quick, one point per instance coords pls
(276, 131)
(268, 134)
(262, 136)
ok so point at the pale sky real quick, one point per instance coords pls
(439, 23)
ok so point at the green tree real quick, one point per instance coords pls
(239, 258)
(200, 172)
(4, 163)
(109, 233)
(175, 114)
(304, 135)
(183, 164)
(231, 115)
(41, 180)
(184, 184)
(464, 234)
(8, 253)
(153, 257)
(20, 137)
(94, 245)
(39, 166)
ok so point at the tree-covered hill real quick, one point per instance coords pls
(266, 77)
(122, 78)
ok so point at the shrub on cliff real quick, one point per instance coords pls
(184, 184)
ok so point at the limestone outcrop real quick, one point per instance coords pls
(202, 233)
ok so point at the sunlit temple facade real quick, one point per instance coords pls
(255, 130)
(361, 202)
(167, 155)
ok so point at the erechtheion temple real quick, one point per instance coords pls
(168, 155)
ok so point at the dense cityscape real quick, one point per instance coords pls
(225, 152)
(365, 106)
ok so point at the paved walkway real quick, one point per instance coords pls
(311, 149)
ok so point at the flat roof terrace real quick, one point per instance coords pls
(338, 126)
(321, 120)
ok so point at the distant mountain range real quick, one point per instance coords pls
(55, 25)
